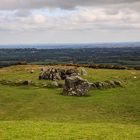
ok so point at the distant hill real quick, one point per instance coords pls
(90, 45)
(129, 56)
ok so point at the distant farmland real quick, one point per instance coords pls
(129, 56)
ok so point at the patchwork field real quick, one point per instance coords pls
(34, 113)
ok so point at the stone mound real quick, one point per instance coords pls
(57, 74)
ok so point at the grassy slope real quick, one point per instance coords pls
(35, 113)
(67, 131)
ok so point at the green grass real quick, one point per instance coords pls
(26, 130)
(39, 114)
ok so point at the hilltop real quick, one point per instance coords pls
(43, 113)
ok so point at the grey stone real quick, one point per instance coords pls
(111, 83)
(84, 72)
(75, 86)
(99, 84)
(32, 71)
(72, 72)
(57, 74)
(54, 84)
(93, 86)
(27, 82)
(118, 83)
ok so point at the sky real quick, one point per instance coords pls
(69, 21)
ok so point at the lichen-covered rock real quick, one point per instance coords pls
(75, 86)
(99, 84)
(27, 82)
(111, 83)
(32, 71)
(44, 85)
(50, 74)
(57, 74)
(18, 82)
(54, 84)
(106, 84)
(72, 72)
(118, 83)
(84, 72)
(93, 86)
(62, 73)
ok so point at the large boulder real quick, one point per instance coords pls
(75, 86)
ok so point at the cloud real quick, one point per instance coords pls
(83, 18)
(38, 17)
(66, 4)
(22, 13)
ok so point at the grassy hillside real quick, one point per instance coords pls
(40, 113)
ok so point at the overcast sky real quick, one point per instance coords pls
(69, 21)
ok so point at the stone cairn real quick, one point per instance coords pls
(57, 74)
(75, 85)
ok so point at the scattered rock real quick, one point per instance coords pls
(111, 83)
(106, 84)
(118, 83)
(93, 86)
(32, 71)
(54, 84)
(98, 85)
(18, 82)
(27, 82)
(44, 85)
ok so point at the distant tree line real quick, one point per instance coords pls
(104, 56)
